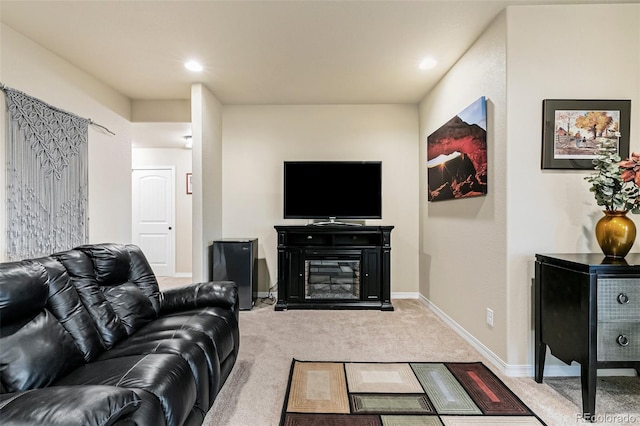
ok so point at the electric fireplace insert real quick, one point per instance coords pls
(332, 279)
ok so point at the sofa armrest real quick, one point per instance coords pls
(222, 294)
(69, 406)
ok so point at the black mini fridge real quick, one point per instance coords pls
(237, 260)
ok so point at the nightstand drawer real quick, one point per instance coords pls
(618, 299)
(619, 341)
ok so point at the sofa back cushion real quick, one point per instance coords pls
(142, 275)
(83, 277)
(35, 349)
(118, 288)
(64, 302)
(22, 290)
(133, 297)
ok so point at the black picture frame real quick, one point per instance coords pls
(570, 148)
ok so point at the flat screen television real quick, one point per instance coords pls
(332, 190)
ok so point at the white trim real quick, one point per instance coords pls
(405, 295)
(629, 372)
(263, 294)
(477, 344)
(526, 370)
(560, 370)
(183, 275)
(574, 371)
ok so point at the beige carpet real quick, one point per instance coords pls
(254, 393)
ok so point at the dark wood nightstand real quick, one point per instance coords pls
(587, 309)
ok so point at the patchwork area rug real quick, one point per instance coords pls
(400, 394)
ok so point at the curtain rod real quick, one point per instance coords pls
(4, 88)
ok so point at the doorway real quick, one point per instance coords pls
(153, 217)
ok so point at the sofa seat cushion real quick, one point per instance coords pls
(189, 350)
(149, 413)
(217, 323)
(166, 376)
(91, 406)
(230, 318)
(160, 330)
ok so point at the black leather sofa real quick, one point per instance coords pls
(87, 338)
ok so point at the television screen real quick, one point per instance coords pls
(332, 189)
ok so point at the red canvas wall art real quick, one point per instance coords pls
(457, 155)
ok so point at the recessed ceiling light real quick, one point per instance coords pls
(193, 66)
(428, 63)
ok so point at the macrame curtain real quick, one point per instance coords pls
(47, 178)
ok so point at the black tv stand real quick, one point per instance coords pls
(334, 267)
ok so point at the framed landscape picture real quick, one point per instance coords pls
(457, 155)
(573, 129)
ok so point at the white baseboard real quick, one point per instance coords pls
(574, 371)
(404, 295)
(526, 370)
(183, 275)
(478, 345)
(262, 294)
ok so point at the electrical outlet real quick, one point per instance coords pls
(490, 317)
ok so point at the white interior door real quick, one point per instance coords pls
(153, 208)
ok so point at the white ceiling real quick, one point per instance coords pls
(261, 52)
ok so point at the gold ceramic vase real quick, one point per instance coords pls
(615, 233)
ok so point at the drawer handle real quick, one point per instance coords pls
(309, 237)
(623, 299)
(623, 340)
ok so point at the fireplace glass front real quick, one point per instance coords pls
(332, 279)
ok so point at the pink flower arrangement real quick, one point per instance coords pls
(630, 169)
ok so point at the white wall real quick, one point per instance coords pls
(161, 111)
(480, 253)
(31, 69)
(463, 241)
(180, 159)
(206, 122)
(558, 52)
(257, 139)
